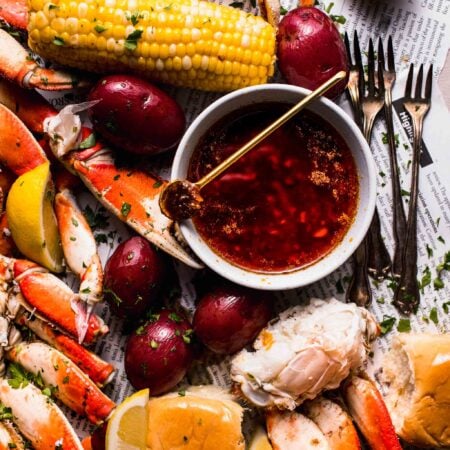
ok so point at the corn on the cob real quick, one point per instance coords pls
(189, 43)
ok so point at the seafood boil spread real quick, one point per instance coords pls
(294, 208)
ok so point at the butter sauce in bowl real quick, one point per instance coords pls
(295, 207)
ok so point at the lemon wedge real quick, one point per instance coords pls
(127, 427)
(259, 440)
(29, 209)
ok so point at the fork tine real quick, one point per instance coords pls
(380, 75)
(381, 54)
(359, 64)
(347, 47)
(371, 69)
(429, 83)
(419, 81)
(390, 55)
(409, 81)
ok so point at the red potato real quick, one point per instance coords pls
(159, 353)
(136, 116)
(230, 317)
(310, 49)
(134, 276)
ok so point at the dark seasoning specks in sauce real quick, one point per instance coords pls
(288, 202)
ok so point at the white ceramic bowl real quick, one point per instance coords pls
(366, 173)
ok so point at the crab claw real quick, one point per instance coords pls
(294, 431)
(39, 420)
(73, 387)
(55, 302)
(367, 407)
(17, 66)
(334, 422)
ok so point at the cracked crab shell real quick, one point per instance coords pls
(309, 349)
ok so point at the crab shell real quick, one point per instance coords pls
(309, 349)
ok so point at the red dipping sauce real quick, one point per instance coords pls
(285, 204)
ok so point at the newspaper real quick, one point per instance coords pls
(421, 34)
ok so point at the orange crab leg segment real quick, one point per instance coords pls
(28, 105)
(39, 420)
(74, 388)
(15, 65)
(15, 13)
(369, 411)
(19, 150)
(99, 371)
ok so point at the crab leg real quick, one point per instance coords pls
(334, 423)
(15, 13)
(39, 420)
(132, 195)
(54, 301)
(369, 411)
(74, 388)
(27, 104)
(9, 437)
(99, 371)
(80, 249)
(17, 66)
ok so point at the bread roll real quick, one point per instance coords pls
(417, 375)
(203, 418)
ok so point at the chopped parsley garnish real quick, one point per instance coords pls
(96, 219)
(89, 142)
(426, 278)
(387, 323)
(429, 251)
(58, 41)
(434, 315)
(132, 38)
(237, 4)
(154, 344)
(175, 317)
(157, 184)
(126, 208)
(404, 325)
(100, 29)
(441, 239)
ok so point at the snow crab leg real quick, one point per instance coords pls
(70, 384)
(99, 371)
(17, 66)
(37, 418)
(369, 411)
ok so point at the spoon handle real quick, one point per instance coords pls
(270, 129)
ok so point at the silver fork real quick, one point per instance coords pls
(371, 255)
(399, 218)
(407, 294)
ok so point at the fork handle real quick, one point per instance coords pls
(359, 289)
(407, 294)
(399, 219)
(379, 264)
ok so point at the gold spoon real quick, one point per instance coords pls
(181, 199)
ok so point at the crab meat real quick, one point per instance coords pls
(290, 430)
(311, 348)
(334, 423)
